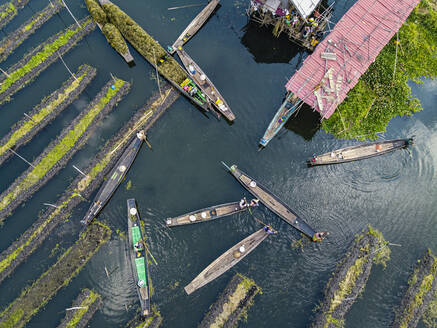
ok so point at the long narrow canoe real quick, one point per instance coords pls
(227, 260)
(284, 112)
(209, 213)
(194, 26)
(356, 153)
(137, 250)
(271, 201)
(116, 176)
(205, 84)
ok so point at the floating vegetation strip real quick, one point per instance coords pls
(9, 10)
(32, 298)
(152, 321)
(96, 12)
(102, 163)
(13, 40)
(82, 309)
(42, 57)
(422, 289)
(59, 152)
(24, 130)
(381, 95)
(350, 278)
(145, 44)
(232, 304)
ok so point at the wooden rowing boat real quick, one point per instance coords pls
(205, 84)
(284, 112)
(227, 260)
(209, 213)
(138, 256)
(115, 177)
(194, 26)
(271, 201)
(356, 153)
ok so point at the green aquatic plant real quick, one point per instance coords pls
(83, 308)
(145, 44)
(44, 52)
(381, 95)
(58, 101)
(115, 38)
(33, 237)
(7, 12)
(14, 39)
(96, 12)
(59, 148)
(34, 297)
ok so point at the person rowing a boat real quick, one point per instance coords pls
(243, 203)
(254, 202)
(319, 236)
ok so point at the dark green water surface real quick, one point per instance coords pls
(395, 193)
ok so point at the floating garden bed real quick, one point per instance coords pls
(422, 291)
(9, 10)
(381, 95)
(82, 309)
(59, 152)
(233, 303)
(145, 44)
(101, 165)
(13, 40)
(112, 34)
(24, 130)
(350, 278)
(152, 321)
(42, 57)
(34, 297)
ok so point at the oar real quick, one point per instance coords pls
(265, 225)
(147, 249)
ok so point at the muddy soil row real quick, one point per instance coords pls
(34, 297)
(9, 10)
(237, 296)
(350, 278)
(421, 291)
(79, 318)
(28, 76)
(101, 165)
(14, 39)
(20, 195)
(85, 74)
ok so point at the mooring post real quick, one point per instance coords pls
(71, 73)
(79, 171)
(68, 9)
(21, 157)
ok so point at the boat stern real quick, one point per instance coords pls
(263, 142)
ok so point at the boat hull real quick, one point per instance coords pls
(206, 214)
(138, 259)
(205, 84)
(226, 261)
(115, 177)
(288, 107)
(272, 202)
(194, 26)
(355, 153)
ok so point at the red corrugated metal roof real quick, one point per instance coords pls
(356, 40)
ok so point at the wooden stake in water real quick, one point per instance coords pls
(29, 117)
(4, 72)
(186, 6)
(71, 73)
(79, 171)
(68, 9)
(21, 157)
(48, 204)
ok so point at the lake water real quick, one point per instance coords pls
(395, 193)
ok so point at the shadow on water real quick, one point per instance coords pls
(305, 123)
(258, 38)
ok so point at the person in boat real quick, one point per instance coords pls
(243, 203)
(314, 159)
(254, 203)
(318, 236)
(268, 230)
